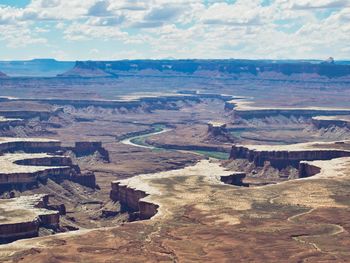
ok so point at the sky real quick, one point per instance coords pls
(156, 29)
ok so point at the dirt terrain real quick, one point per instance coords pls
(168, 141)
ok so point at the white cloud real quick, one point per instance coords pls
(188, 28)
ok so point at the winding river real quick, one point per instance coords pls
(133, 140)
(140, 141)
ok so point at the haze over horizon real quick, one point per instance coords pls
(129, 29)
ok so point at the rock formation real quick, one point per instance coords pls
(234, 179)
(85, 69)
(132, 200)
(252, 68)
(88, 148)
(283, 156)
(21, 217)
(29, 145)
(217, 132)
(21, 114)
(21, 170)
(329, 121)
(5, 123)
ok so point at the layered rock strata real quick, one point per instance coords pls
(28, 169)
(283, 156)
(200, 219)
(21, 114)
(7, 122)
(41, 161)
(32, 145)
(21, 217)
(245, 109)
(329, 121)
(256, 69)
(334, 169)
(132, 200)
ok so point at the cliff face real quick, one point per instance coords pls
(22, 217)
(283, 158)
(28, 169)
(28, 145)
(20, 170)
(131, 200)
(87, 148)
(234, 179)
(257, 68)
(263, 113)
(308, 170)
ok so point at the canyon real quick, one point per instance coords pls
(175, 161)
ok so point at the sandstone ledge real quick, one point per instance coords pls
(21, 217)
(283, 156)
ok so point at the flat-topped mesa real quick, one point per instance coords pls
(288, 155)
(7, 122)
(22, 170)
(132, 201)
(42, 160)
(31, 145)
(251, 69)
(26, 114)
(22, 217)
(246, 109)
(329, 121)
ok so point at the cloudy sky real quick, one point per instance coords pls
(120, 29)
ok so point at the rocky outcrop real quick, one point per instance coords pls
(87, 179)
(217, 128)
(6, 123)
(217, 132)
(281, 158)
(234, 179)
(88, 148)
(329, 121)
(21, 217)
(132, 201)
(307, 170)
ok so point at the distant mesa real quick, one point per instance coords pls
(86, 69)
(235, 68)
(35, 68)
(329, 60)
